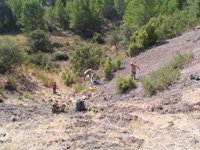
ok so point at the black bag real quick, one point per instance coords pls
(80, 106)
(197, 77)
(192, 76)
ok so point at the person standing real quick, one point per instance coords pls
(133, 70)
(54, 87)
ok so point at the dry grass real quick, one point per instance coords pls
(43, 135)
(19, 37)
(191, 95)
(158, 135)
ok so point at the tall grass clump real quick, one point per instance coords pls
(163, 77)
(124, 84)
(12, 79)
(45, 80)
(68, 78)
(79, 87)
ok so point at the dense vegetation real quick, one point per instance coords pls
(83, 15)
(142, 24)
(10, 54)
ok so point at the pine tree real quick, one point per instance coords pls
(59, 11)
(32, 16)
(95, 12)
(50, 15)
(138, 13)
(17, 9)
(77, 15)
(168, 7)
(119, 6)
(108, 8)
(6, 18)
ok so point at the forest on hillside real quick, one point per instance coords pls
(142, 24)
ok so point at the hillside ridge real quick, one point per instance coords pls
(116, 121)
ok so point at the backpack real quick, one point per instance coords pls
(197, 77)
(192, 76)
(80, 106)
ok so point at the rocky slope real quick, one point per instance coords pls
(167, 120)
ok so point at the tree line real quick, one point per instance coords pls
(143, 22)
(30, 15)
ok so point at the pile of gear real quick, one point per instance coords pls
(196, 77)
(58, 109)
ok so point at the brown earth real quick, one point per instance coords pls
(168, 120)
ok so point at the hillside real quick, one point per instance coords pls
(166, 120)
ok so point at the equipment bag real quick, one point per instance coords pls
(192, 76)
(197, 77)
(80, 106)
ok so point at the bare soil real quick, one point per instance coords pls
(168, 120)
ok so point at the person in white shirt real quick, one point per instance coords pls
(87, 72)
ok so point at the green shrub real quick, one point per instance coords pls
(8, 22)
(147, 86)
(57, 45)
(88, 56)
(1, 93)
(59, 56)
(117, 63)
(102, 62)
(54, 65)
(175, 24)
(79, 87)
(144, 37)
(114, 39)
(69, 79)
(19, 96)
(12, 80)
(108, 68)
(181, 59)
(93, 109)
(63, 75)
(28, 95)
(124, 84)
(163, 77)
(10, 54)
(126, 33)
(97, 38)
(38, 41)
(39, 59)
(68, 44)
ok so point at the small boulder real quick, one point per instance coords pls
(14, 119)
(84, 97)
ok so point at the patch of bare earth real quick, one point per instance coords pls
(168, 120)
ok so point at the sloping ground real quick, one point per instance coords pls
(156, 56)
(167, 120)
